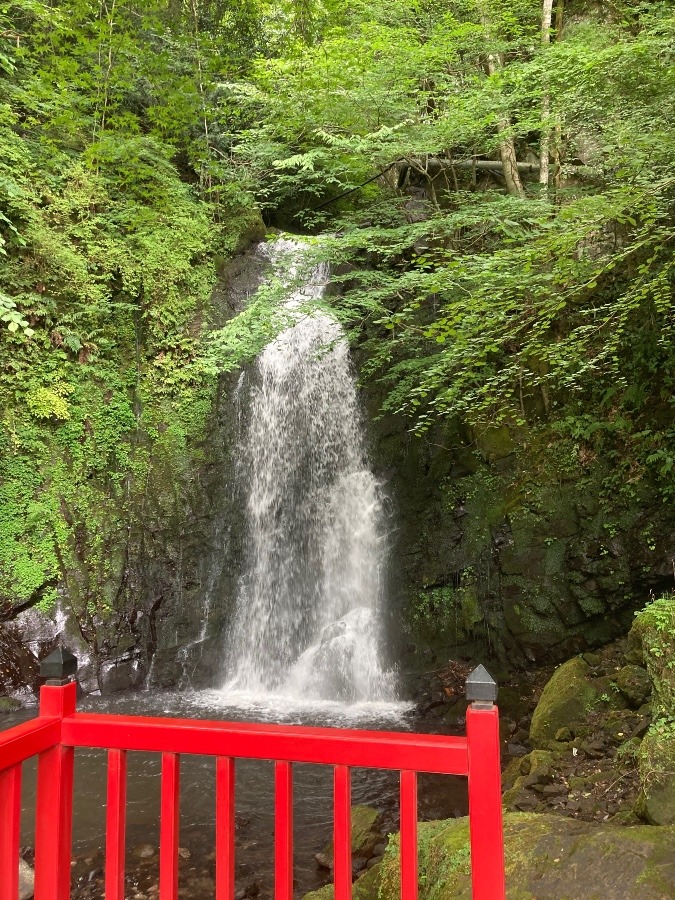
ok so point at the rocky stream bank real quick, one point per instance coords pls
(589, 789)
(588, 752)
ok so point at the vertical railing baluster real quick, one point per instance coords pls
(10, 823)
(116, 818)
(225, 828)
(283, 831)
(169, 827)
(409, 836)
(342, 832)
(54, 801)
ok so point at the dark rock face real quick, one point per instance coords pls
(185, 639)
(506, 548)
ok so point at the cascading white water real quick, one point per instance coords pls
(307, 623)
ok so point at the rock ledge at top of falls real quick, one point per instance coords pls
(547, 858)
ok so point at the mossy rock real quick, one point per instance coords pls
(634, 653)
(367, 887)
(494, 442)
(537, 764)
(654, 632)
(324, 893)
(547, 858)
(657, 775)
(611, 698)
(535, 768)
(567, 698)
(633, 682)
(365, 833)
(9, 704)
(511, 773)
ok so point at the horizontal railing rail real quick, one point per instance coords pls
(26, 740)
(291, 743)
(59, 729)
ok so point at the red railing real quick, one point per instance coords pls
(59, 729)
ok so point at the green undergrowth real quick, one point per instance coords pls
(114, 221)
(654, 632)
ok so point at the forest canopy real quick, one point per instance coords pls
(493, 180)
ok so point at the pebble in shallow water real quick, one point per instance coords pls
(143, 851)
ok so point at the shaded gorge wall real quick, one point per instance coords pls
(511, 545)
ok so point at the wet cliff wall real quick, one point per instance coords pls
(514, 544)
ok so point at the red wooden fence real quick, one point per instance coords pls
(59, 729)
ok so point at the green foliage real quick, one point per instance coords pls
(135, 144)
(655, 625)
(111, 209)
(467, 302)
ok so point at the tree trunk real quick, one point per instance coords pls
(545, 149)
(557, 176)
(507, 147)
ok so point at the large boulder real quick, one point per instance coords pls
(568, 697)
(366, 888)
(366, 835)
(656, 803)
(547, 858)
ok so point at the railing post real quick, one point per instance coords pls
(10, 822)
(54, 804)
(169, 827)
(342, 832)
(115, 831)
(485, 796)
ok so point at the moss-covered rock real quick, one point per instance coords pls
(547, 858)
(634, 683)
(537, 768)
(653, 638)
(9, 704)
(367, 887)
(654, 633)
(366, 834)
(511, 773)
(568, 697)
(494, 442)
(657, 774)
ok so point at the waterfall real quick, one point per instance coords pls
(308, 622)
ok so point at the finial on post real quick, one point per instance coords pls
(59, 667)
(481, 687)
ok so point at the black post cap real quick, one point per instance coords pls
(59, 665)
(481, 686)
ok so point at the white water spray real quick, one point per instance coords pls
(307, 623)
